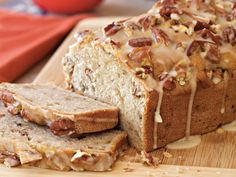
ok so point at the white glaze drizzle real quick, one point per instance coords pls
(158, 117)
(193, 83)
(231, 127)
(185, 143)
(226, 82)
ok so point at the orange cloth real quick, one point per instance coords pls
(25, 39)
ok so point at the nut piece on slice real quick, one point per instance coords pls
(65, 112)
(23, 143)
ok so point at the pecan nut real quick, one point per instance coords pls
(229, 35)
(160, 36)
(201, 25)
(147, 22)
(166, 11)
(213, 54)
(62, 127)
(6, 96)
(112, 28)
(26, 115)
(140, 42)
(205, 33)
(9, 159)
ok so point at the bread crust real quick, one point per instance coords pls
(206, 115)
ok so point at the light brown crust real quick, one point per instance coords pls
(206, 115)
(87, 122)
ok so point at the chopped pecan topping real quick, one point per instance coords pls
(166, 11)
(195, 45)
(213, 54)
(62, 127)
(112, 29)
(198, 44)
(132, 25)
(141, 58)
(205, 33)
(9, 159)
(115, 43)
(140, 42)
(6, 97)
(24, 114)
(160, 36)
(14, 108)
(229, 35)
(147, 22)
(212, 51)
(201, 25)
(140, 73)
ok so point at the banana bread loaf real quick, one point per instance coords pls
(171, 71)
(24, 143)
(65, 112)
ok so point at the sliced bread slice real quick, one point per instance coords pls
(65, 112)
(24, 143)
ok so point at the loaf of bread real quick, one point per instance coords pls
(27, 144)
(171, 71)
(65, 112)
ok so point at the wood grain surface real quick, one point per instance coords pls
(216, 150)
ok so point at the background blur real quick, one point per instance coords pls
(106, 8)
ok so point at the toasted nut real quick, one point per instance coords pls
(201, 25)
(112, 29)
(229, 35)
(147, 22)
(24, 114)
(9, 159)
(213, 54)
(205, 33)
(160, 36)
(140, 72)
(6, 97)
(140, 42)
(14, 108)
(62, 127)
(166, 11)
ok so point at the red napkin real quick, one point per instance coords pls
(25, 39)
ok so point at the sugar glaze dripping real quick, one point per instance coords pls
(157, 117)
(231, 127)
(226, 82)
(188, 141)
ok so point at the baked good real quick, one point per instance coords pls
(65, 112)
(171, 71)
(27, 144)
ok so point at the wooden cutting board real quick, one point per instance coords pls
(214, 157)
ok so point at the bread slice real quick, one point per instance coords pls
(24, 143)
(65, 112)
(171, 71)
